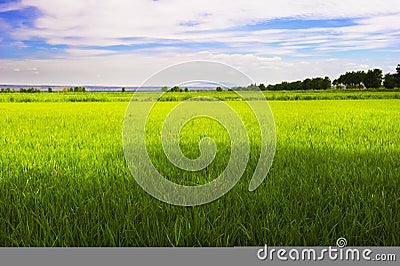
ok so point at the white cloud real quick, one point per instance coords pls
(133, 69)
(82, 53)
(11, 6)
(102, 22)
(269, 55)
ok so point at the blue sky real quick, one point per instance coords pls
(123, 42)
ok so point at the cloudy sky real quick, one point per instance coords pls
(123, 42)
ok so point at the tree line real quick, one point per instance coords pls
(22, 90)
(307, 84)
(74, 89)
(318, 83)
(35, 90)
(392, 80)
(360, 79)
(370, 79)
(174, 89)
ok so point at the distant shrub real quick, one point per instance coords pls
(29, 90)
(6, 90)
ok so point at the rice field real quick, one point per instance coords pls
(64, 179)
(331, 94)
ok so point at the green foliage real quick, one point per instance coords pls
(176, 89)
(123, 89)
(29, 90)
(392, 80)
(307, 84)
(79, 89)
(74, 89)
(352, 80)
(164, 88)
(373, 79)
(218, 88)
(6, 90)
(251, 87)
(360, 79)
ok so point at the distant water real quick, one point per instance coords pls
(96, 88)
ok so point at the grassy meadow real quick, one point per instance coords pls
(336, 173)
(331, 94)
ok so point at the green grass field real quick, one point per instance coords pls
(64, 180)
(225, 95)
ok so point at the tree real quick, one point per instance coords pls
(49, 90)
(6, 90)
(373, 78)
(186, 90)
(307, 84)
(326, 83)
(262, 87)
(176, 89)
(29, 90)
(398, 76)
(123, 89)
(164, 88)
(218, 88)
(297, 85)
(390, 81)
(252, 87)
(317, 83)
(354, 79)
(359, 78)
(79, 89)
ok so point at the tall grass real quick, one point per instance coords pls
(200, 96)
(64, 182)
